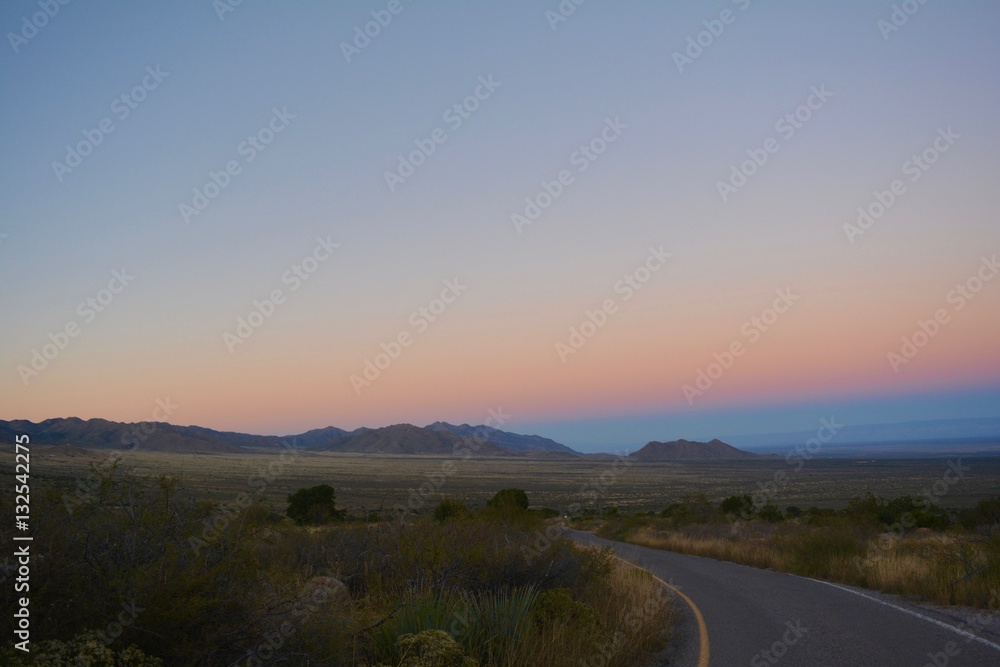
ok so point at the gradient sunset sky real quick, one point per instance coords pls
(667, 128)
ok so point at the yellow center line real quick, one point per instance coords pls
(702, 626)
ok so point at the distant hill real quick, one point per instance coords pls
(439, 438)
(104, 434)
(687, 450)
(521, 443)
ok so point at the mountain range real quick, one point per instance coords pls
(439, 438)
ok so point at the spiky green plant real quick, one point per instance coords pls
(419, 612)
(496, 624)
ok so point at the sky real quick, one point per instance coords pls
(608, 223)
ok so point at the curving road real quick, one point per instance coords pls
(761, 618)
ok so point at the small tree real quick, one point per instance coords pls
(741, 506)
(509, 500)
(314, 505)
(770, 513)
(448, 508)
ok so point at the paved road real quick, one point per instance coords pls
(760, 618)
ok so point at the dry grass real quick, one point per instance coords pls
(940, 568)
(368, 482)
(636, 616)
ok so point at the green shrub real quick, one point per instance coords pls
(770, 513)
(557, 604)
(498, 624)
(488, 626)
(694, 508)
(416, 615)
(84, 649)
(985, 516)
(738, 506)
(509, 500)
(449, 508)
(213, 583)
(315, 505)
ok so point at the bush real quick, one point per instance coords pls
(770, 513)
(557, 604)
(314, 505)
(509, 501)
(498, 624)
(985, 516)
(449, 508)
(430, 648)
(738, 506)
(695, 508)
(215, 584)
(417, 615)
(84, 649)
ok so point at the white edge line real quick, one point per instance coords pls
(968, 635)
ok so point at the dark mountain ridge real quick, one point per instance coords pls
(522, 443)
(687, 450)
(440, 438)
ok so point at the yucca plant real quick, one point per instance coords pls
(495, 625)
(419, 612)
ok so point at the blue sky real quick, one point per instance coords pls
(346, 123)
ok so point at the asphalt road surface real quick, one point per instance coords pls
(761, 618)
